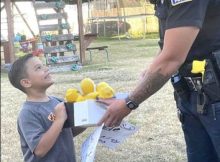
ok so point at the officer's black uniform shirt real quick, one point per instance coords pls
(204, 14)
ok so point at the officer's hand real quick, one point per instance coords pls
(115, 112)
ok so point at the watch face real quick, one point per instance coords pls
(131, 105)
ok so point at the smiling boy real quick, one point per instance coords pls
(41, 119)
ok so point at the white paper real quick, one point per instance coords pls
(89, 145)
(112, 137)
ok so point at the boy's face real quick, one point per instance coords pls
(38, 75)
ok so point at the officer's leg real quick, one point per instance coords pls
(212, 124)
(198, 143)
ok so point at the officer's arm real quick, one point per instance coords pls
(177, 43)
(145, 70)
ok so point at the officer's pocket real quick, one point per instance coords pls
(179, 106)
(216, 109)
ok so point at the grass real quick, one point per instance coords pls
(159, 138)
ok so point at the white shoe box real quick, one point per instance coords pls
(88, 113)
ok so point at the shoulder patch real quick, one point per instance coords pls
(177, 2)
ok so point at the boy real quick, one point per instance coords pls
(41, 120)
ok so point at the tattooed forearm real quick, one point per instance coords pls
(150, 84)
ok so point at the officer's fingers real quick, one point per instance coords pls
(110, 122)
(116, 123)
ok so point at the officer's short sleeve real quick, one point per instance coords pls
(188, 13)
(29, 124)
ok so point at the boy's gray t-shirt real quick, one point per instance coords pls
(33, 122)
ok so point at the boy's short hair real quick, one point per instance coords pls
(18, 71)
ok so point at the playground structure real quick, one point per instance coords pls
(105, 18)
(9, 54)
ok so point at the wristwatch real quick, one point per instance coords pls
(131, 104)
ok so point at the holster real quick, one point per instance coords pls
(211, 80)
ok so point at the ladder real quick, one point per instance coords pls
(55, 35)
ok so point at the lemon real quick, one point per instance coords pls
(106, 92)
(71, 95)
(92, 95)
(87, 86)
(80, 98)
(101, 85)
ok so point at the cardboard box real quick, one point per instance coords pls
(88, 113)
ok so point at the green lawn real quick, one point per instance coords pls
(159, 138)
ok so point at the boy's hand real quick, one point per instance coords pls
(49, 138)
(60, 112)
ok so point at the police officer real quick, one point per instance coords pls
(190, 30)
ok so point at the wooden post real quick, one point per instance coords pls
(88, 21)
(118, 20)
(97, 25)
(81, 33)
(104, 19)
(10, 23)
(145, 20)
(5, 45)
(60, 31)
(124, 16)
